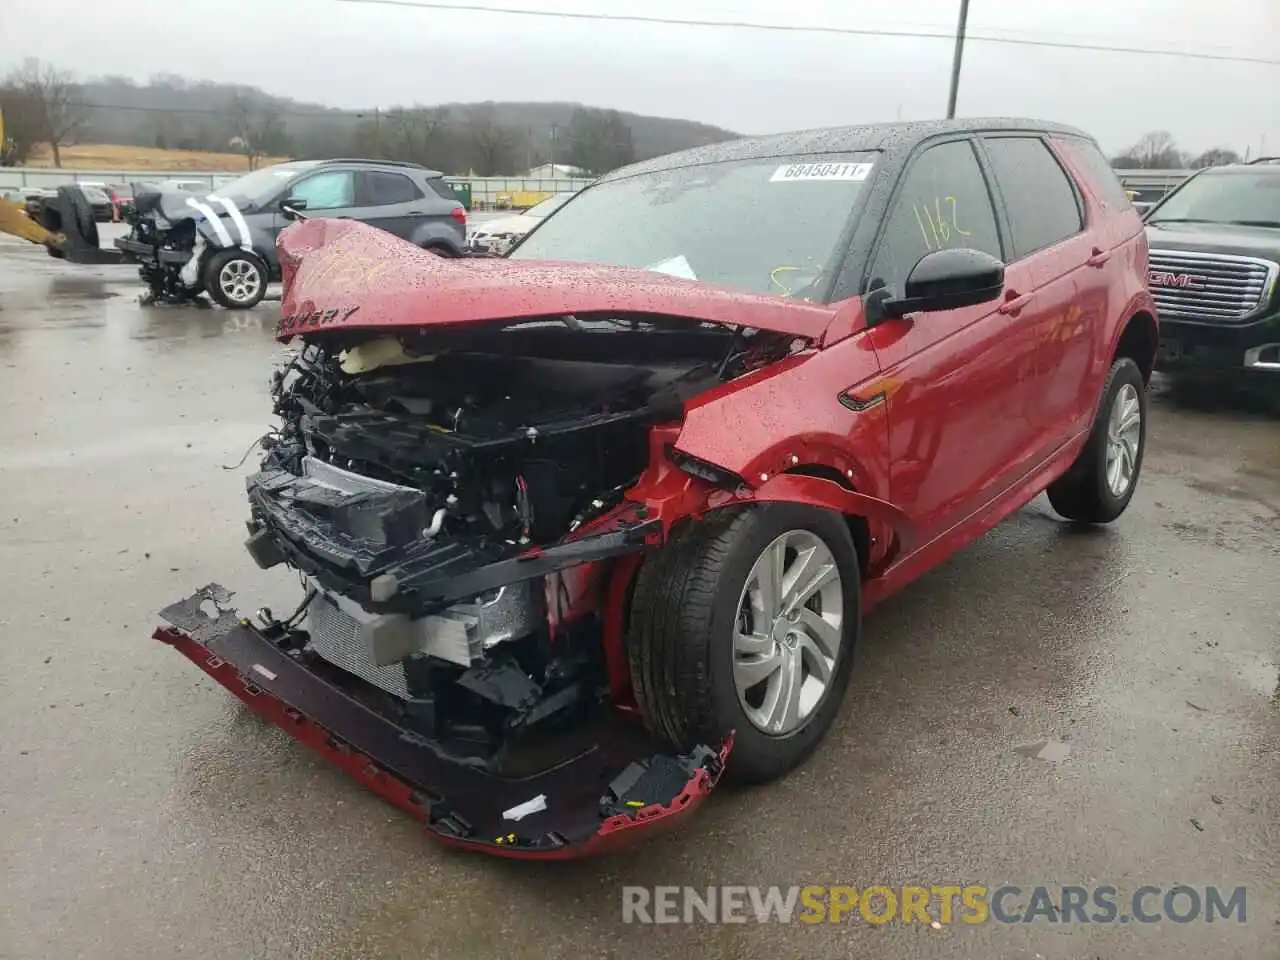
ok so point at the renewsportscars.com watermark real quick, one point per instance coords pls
(932, 905)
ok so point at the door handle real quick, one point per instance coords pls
(416, 213)
(1098, 257)
(1014, 302)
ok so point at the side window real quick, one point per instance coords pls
(441, 188)
(1042, 203)
(1101, 175)
(329, 190)
(944, 202)
(382, 189)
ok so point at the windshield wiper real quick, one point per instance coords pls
(1181, 220)
(1257, 223)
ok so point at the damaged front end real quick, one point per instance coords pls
(466, 509)
(590, 801)
(166, 242)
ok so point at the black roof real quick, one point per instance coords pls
(877, 136)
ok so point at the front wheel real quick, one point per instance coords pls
(1099, 485)
(747, 623)
(235, 279)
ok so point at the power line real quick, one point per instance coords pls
(810, 28)
(334, 114)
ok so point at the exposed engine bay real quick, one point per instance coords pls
(440, 495)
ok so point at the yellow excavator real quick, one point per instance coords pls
(63, 224)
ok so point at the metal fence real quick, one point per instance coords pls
(486, 192)
(1155, 182)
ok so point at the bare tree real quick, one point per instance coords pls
(1157, 151)
(52, 97)
(599, 140)
(417, 132)
(256, 129)
(491, 145)
(1215, 157)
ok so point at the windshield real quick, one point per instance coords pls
(1236, 197)
(262, 184)
(764, 226)
(545, 208)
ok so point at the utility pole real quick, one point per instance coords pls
(377, 132)
(955, 62)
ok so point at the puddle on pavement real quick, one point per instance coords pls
(81, 288)
(1051, 751)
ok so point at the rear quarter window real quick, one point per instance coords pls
(1102, 177)
(441, 189)
(1040, 198)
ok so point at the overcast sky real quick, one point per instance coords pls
(752, 81)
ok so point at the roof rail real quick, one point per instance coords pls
(385, 163)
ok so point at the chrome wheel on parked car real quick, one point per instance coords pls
(1124, 434)
(235, 278)
(240, 281)
(789, 627)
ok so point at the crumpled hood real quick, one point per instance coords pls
(150, 201)
(341, 274)
(520, 225)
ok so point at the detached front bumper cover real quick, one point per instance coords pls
(608, 797)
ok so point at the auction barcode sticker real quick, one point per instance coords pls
(821, 171)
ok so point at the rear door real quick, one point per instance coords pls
(1047, 225)
(390, 201)
(958, 382)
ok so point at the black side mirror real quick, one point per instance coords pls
(291, 207)
(947, 279)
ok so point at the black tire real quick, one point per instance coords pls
(1083, 493)
(443, 250)
(81, 214)
(70, 213)
(684, 614)
(239, 260)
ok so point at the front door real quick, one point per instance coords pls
(957, 382)
(328, 194)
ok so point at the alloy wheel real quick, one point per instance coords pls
(239, 280)
(787, 638)
(1124, 434)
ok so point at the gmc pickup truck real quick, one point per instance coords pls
(1215, 256)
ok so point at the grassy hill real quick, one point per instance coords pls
(196, 117)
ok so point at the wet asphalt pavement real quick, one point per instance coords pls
(145, 814)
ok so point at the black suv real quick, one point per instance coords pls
(224, 243)
(1215, 257)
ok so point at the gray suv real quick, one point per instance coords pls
(224, 243)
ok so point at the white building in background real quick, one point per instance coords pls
(555, 171)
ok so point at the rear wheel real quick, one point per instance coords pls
(747, 623)
(1099, 485)
(235, 279)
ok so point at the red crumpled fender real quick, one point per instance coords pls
(670, 495)
(829, 495)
